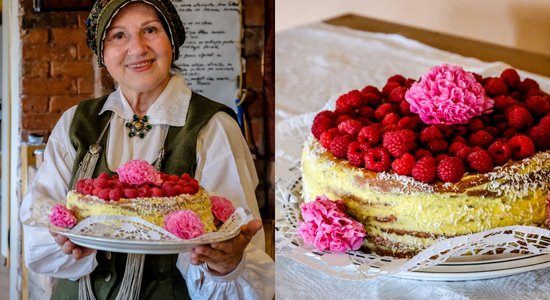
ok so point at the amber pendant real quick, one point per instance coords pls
(138, 126)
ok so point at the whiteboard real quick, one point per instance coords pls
(211, 55)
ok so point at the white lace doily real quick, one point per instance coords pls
(134, 235)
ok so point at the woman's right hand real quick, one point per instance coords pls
(71, 248)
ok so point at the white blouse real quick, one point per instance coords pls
(224, 167)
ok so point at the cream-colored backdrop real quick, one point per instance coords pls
(523, 24)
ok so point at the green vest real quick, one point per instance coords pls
(161, 278)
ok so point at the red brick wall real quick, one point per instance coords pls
(58, 71)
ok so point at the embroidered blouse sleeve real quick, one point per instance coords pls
(42, 254)
(225, 167)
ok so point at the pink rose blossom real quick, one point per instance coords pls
(328, 227)
(222, 208)
(138, 172)
(185, 224)
(63, 217)
(448, 95)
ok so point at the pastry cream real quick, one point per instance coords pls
(151, 209)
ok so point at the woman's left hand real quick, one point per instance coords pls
(224, 257)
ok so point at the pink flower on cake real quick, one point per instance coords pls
(328, 227)
(185, 224)
(138, 172)
(222, 208)
(63, 217)
(448, 95)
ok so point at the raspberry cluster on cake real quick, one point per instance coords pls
(453, 153)
(177, 203)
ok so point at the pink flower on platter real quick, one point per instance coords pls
(138, 172)
(328, 227)
(448, 95)
(185, 224)
(222, 208)
(63, 217)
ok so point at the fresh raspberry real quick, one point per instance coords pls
(400, 79)
(371, 135)
(390, 119)
(167, 183)
(459, 139)
(480, 160)
(156, 192)
(450, 169)
(429, 133)
(371, 89)
(187, 177)
(404, 165)
(383, 110)
(510, 132)
(341, 118)
(538, 106)
(420, 153)
(115, 194)
(410, 122)
(356, 99)
(399, 142)
(321, 123)
(101, 183)
(326, 137)
(104, 175)
(356, 154)
(173, 178)
(390, 128)
(511, 78)
(446, 131)
(519, 117)
(500, 152)
(188, 190)
(475, 124)
(377, 159)
(528, 84)
(495, 86)
(169, 191)
(366, 112)
(463, 153)
(533, 92)
(521, 146)
(342, 105)
(405, 108)
(131, 193)
(104, 194)
(492, 130)
(441, 157)
(373, 99)
(397, 95)
(459, 130)
(455, 147)
(437, 146)
(339, 145)
(480, 138)
(540, 135)
(389, 87)
(503, 103)
(425, 170)
(545, 120)
(350, 127)
(80, 185)
(145, 191)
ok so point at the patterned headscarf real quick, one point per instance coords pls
(103, 12)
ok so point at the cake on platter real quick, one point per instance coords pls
(451, 154)
(176, 203)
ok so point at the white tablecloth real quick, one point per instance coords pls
(318, 62)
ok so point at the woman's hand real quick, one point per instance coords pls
(224, 257)
(70, 248)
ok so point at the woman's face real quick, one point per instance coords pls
(136, 50)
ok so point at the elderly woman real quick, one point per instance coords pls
(138, 41)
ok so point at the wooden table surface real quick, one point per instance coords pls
(520, 59)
